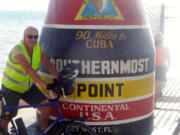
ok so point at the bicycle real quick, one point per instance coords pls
(59, 126)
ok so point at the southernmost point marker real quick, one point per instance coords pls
(111, 41)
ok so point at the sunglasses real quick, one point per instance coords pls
(32, 36)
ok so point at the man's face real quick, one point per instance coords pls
(30, 38)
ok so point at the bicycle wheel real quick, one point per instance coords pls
(72, 128)
(21, 127)
(3, 131)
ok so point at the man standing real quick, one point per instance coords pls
(162, 64)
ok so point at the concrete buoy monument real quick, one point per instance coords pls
(112, 43)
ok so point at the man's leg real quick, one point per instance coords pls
(44, 115)
(4, 124)
(11, 99)
(34, 96)
(157, 89)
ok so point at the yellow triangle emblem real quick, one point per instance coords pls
(99, 10)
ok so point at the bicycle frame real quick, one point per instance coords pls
(60, 117)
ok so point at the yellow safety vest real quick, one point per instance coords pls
(15, 76)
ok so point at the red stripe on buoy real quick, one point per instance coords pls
(107, 112)
(65, 11)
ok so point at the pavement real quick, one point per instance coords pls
(167, 111)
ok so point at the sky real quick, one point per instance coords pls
(24, 4)
(43, 4)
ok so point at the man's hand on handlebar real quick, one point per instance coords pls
(53, 86)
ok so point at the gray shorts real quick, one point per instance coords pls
(33, 96)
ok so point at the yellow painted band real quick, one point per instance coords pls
(110, 90)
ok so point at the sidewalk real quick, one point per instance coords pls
(167, 111)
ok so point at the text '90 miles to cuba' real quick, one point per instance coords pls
(99, 39)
